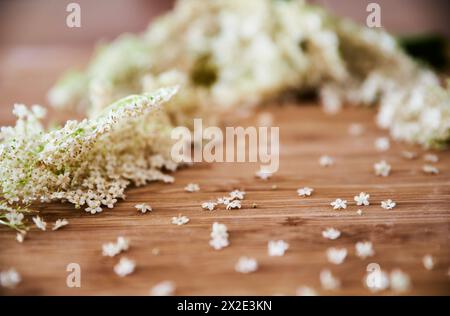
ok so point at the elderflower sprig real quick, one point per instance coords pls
(89, 162)
(13, 217)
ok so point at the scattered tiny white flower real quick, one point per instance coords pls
(331, 233)
(233, 204)
(430, 169)
(112, 249)
(376, 279)
(10, 278)
(124, 267)
(14, 217)
(246, 265)
(328, 280)
(237, 195)
(210, 206)
(305, 291)
(164, 288)
(143, 207)
(428, 262)
(388, 204)
(219, 236)
(364, 249)
(223, 200)
(336, 255)
(180, 220)
(326, 161)
(20, 237)
(359, 212)
(431, 158)
(60, 223)
(400, 281)
(362, 199)
(382, 168)
(339, 204)
(382, 144)
(409, 155)
(264, 173)
(306, 191)
(277, 248)
(39, 222)
(355, 129)
(192, 187)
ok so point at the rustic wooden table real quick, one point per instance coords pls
(419, 225)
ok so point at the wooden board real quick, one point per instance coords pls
(419, 225)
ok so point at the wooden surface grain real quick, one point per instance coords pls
(419, 225)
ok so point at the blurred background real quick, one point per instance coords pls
(34, 35)
(42, 22)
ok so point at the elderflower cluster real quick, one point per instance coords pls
(233, 53)
(87, 163)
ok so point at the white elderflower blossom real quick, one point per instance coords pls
(388, 204)
(362, 199)
(14, 217)
(60, 223)
(331, 233)
(339, 204)
(164, 288)
(277, 248)
(428, 262)
(124, 267)
(429, 169)
(112, 249)
(336, 255)
(40, 223)
(10, 278)
(180, 220)
(237, 195)
(326, 161)
(306, 191)
(382, 144)
(192, 187)
(210, 206)
(364, 249)
(246, 265)
(382, 168)
(234, 204)
(20, 237)
(143, 208)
